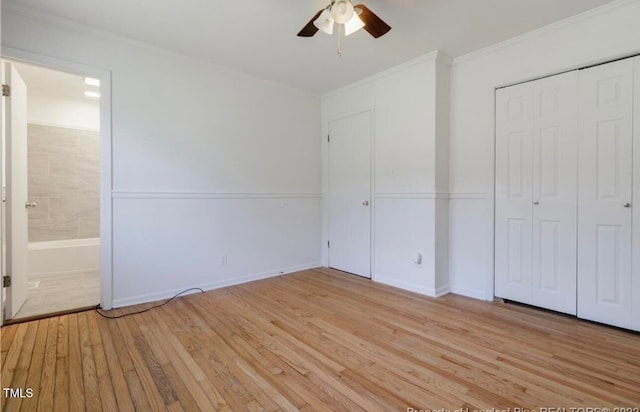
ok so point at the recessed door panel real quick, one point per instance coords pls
(517, 252)
(549, 246)
(549, 162)
(515, 169)
(607, 167)
(608, 264)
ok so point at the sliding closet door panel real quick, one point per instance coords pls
(635, 266)
(555, 179)
(513, 192)
(605, 193)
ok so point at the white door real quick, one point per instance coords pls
(349, 194)
(605, 194)
(555, 180)
(513, 213)
(16, 140)
(635, 265)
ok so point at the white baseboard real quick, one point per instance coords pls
(166, 294)
(442, 290)
(412, 287)
(471, 293)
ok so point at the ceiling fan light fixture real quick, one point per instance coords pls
(353, 25)
(324, 23)
(342, 11)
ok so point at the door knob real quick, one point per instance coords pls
(627, 205)
(365, 203)
(536, 202)
(30, 205)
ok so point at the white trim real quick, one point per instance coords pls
(412, 195)
(348, 113)
(435, 55)
(589, 14)
(106, 226)
(468, 196)
(471, 293)
(64, 126)
(442, 290)
(152, 297)
(211, 195)
(412, 287)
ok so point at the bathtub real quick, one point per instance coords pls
(64, 256)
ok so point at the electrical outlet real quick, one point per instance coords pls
(224, 260)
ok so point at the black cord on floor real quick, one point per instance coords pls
(98, 308)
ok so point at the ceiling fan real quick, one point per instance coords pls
(352, 18)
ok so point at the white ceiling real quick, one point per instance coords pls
(258, 37)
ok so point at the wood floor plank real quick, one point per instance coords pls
(120, 389)
(6, 337)
(320, 340)
(34, 376)
(89, 374)
(194, 380)
(61, 398)
(13, 357)
(76, 378)
(135, 344)
(21, 371)
(105, 385)
(48, 374)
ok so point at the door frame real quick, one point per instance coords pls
(372, 203)
(106, 215)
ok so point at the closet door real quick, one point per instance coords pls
(555, 179)
(635, 265)
(605, 194)
(513, 192)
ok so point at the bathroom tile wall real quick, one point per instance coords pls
(64, 181)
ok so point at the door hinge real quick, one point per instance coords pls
(6, 90)
(6, 281)
(328, 244)
(329, 138)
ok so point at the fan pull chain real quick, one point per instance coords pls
(339, 50)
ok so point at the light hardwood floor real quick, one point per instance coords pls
(319, 340)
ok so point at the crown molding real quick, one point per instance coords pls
(587, 15)
(436, 56)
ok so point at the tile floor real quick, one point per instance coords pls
(49, 294)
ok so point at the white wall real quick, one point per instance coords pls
(50, 109)
(206, 162)
(409, 179)
(603, 34)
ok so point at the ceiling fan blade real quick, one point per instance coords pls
(372, 23)
(309, 30)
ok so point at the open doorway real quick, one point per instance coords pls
(63, 193)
